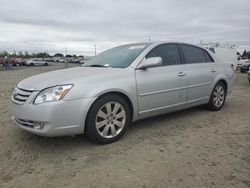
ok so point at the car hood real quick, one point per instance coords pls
(68, 76)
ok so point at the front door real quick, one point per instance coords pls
(162, 89)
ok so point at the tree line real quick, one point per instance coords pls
(27, 54)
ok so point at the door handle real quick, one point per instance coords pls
(212, 70)
(181, 74)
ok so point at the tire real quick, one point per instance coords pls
(218, 97)
(112, 113)
(46, 64)
(32, 64)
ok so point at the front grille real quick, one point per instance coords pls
(20, 95)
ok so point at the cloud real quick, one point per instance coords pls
(43, 25)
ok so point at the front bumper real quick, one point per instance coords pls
(58, 118)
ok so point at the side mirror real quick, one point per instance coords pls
(150, 62)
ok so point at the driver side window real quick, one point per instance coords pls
(168, 52)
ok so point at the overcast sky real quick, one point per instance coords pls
(53, 25)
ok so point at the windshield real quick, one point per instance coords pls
(118, 57)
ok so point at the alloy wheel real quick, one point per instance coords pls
(110, 119)
(218, 96)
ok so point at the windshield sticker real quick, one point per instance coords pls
(136, 47)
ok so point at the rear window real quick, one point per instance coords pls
(193, 54)
(208, 57)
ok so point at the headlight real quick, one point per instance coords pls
(52, 94)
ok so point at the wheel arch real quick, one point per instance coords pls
(221, 79)
(118, 93)
(224, 83)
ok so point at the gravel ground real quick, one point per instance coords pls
(190, 148)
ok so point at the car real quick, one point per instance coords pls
(82, 61)
(226, 55)
(119, 86)
(17, 62)
(32, 62)
(2, 62)
(241, 62)
(245, 67)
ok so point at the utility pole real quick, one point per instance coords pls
(95, 49)
(149, 38)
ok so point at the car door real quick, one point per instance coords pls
(201, 71)
(164, 88)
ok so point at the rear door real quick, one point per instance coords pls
(201, 71)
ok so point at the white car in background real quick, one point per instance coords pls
(32, 62)
(226, 55)
(241, 62)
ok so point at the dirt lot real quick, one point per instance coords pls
(191, 148)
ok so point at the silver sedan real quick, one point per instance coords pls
(121, 85)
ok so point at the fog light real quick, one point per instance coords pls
(38, 125)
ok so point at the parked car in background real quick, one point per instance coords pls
(2, 62)
(78, 60)
(121, 85)
(58, 59)
(49, 59)
(245, 67)
(82, 61)
(32, 62)
(226, 54)
(241, 62)
(17, 62)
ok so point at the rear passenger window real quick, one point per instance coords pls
(168, 52)
(208, 57)
(193, 54)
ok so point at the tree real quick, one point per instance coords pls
(58, 55)
(20, 54)
(4, 54)
(27, 55)
(42, 55)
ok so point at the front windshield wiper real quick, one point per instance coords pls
(96, 65)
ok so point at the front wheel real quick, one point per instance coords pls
(218, 97)
(107, 119)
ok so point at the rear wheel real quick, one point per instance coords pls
(108, 119)
(218, 97)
